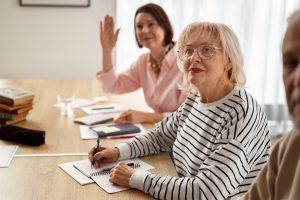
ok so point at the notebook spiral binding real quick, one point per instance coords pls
(106, 171)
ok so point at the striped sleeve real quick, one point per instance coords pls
(217, 177)
(157, 140)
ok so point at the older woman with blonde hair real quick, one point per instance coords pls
(219, 135)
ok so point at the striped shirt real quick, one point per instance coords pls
(218, 148)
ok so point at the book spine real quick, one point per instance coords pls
(5, 116)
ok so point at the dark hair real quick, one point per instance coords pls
(162, 19)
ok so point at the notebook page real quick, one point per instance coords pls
(84, 166)
(7, 152)
(103, 109)
(105, 184)
(74, 173)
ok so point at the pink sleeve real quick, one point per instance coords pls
(124, 82)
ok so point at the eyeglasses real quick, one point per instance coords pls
(205, 52)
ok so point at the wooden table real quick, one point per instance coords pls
(40, 177)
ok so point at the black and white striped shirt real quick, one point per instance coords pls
(218, 148)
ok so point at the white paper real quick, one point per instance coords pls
(7, 152)
(101, 99)
(84, 166)
(104, 109)
(74, 173)
(86, 133)
(95, 119)
(106, 129)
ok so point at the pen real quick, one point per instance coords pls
(103, 108)
(120, 137)
(95, 151)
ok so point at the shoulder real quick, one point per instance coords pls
(171, 57)
(191, 101)
(241, 96)
(142, 60)
(290, 143)
(192, 98)
(144, 56)
(245, 97)
(244, 114)
(246, 102)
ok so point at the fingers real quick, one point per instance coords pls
(121, 174)
(107, 155)
(124, 118)
(101, 27)
(91, 154)
(98, 157)
(122, 168)
(117, 34)
(109, 23)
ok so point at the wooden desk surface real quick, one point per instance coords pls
(40, 177)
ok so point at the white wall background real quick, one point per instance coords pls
(51, 42)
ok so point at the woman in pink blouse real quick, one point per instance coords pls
(156, 72)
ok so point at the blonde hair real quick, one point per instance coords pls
(219, 33)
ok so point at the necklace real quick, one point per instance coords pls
(156, 64)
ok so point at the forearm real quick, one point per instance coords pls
(153, 117)
(166, 187)
(149, 143)
(106, 59)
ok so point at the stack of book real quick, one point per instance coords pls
(15, 104)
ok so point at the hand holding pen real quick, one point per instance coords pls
(103, 155)
(96, 150)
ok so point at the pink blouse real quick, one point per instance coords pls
(161, 93)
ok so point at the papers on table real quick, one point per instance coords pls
(83, 173)
(74, 173)
(7, 152)
(103, 109)
(95, 119)
(101, 99)
(86, 133)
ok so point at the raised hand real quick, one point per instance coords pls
(108, 36)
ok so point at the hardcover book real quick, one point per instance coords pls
(12, 116)
(16, 108)
(12, 121)
(13, 96)
(94, 119)
(115, 129)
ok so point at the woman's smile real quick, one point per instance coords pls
(195, 70)
(148, 38)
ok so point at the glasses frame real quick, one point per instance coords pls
(198, 50)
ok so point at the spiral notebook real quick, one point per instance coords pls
(83, 173)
